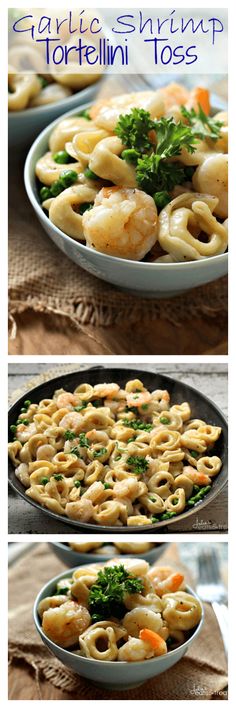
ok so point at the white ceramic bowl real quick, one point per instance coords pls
(24, 126)
(111, 675)
(145, 279)
(72, 558)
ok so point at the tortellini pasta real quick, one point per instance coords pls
(114, 457)
(133, 213)
(134, 626)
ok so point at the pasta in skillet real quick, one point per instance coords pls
(157, 165)
(120, 612)
(113, 456)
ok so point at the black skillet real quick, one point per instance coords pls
(201, 407)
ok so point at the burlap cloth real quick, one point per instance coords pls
(43, 280)
(201, 674)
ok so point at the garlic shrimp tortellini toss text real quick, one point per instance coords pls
(120, 612)
(114, 456)
(141, 175)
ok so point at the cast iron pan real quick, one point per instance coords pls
(201, 407)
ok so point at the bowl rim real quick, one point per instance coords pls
(82, 248)
(147, 528)
(93, 556)
(99, 662)
(35, 110)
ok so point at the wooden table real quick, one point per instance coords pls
(211, 379)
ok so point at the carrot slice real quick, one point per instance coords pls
(176, 580)
(156, 641)
(199, 97)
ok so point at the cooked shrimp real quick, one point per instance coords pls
(105, 113)
(174, 95)
(211, 177)
(197, 477)
(165, 580)
(71, 421)
(137, 399)
(66, 399)
(106, 390)
(24, 432)
(64, 624)
(54, 601)
(135, 650)
(141, 617)
(122, 223)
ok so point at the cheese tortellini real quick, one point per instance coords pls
(126, 627)
(114, 457)
(133, 213)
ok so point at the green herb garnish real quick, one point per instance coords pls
(58, 477)
(134, 129)
(99, 453)
(75, 451)
(106, 596)
(138, 464)
(193, 453)
(83, 441)
(202, 126)
(69, 435)
(44, 481)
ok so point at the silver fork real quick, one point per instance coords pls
(211, 589)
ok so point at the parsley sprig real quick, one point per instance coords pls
(149, 144)
(134, 129)
(202, 126)
(106, 596)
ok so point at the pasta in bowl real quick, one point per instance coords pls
(141, 191)
(137, 620)
(115, 456)
(80, 552)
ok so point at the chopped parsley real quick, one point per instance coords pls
(100, 453)
(83, 441)
(69, 435)
(138, 464)
(58, 477)
(75, 451)
(106, 596)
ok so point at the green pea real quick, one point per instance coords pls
(164, 420)
(27, 403)
(68, 177)
(61, 157)
(106, 485)
(193, 453)
(56, 188)
(44, 481)
(44, 82)
(13, 428)
(25, 421)
(85, 207)
(23, 410)
(45, 193)
(77, 483)
(90, 175)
